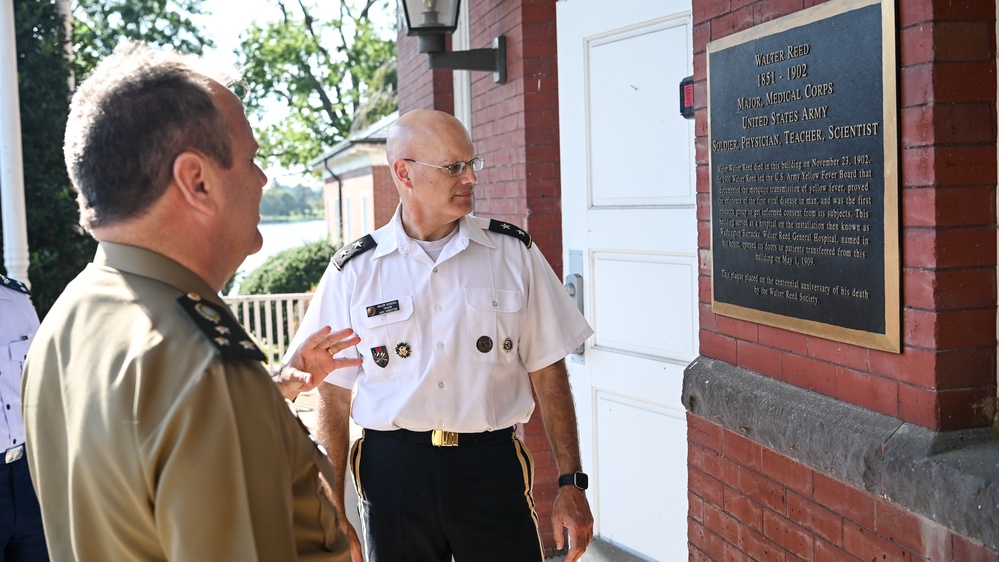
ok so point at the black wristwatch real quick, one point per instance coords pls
(577, 479)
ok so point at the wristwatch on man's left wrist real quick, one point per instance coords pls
(577, 479)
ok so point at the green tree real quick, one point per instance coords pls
(59, 249)
(330, 75)
(295, 270)
(100, 24)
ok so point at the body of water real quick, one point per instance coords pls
(281, 236)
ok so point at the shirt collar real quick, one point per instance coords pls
(396, 238)
(147, 263)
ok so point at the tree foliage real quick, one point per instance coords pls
(285, 202)
(331, 75)
(99, 25)
(59, 249)
(295, 270)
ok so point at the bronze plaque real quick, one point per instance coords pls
(803, 161)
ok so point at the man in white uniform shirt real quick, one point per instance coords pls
(22, 537)
(459, 317)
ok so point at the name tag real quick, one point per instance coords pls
(382, 308)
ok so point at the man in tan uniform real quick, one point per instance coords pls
(154, 432)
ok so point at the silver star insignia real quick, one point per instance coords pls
(357, 245)
(506, 227)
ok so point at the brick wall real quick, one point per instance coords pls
(386, 197)
(515, 128)
(748, 500)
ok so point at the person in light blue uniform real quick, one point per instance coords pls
(21, 533)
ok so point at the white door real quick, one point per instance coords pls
(630, 230)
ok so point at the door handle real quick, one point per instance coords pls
(574, 288)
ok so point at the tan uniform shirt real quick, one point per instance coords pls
(146, 442)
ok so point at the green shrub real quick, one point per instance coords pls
(295, 270)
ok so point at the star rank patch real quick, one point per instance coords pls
(220, 327)
(510, 230)
(352, 250)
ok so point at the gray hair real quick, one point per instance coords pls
(129, 120)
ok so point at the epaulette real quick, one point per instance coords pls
(220, 327)
(510, 230)
(355, 248)
(15, 285)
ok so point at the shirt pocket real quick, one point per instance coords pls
(16, 352)
(494, 318)
(389, 334)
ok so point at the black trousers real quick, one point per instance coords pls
(421, 503)
(21, 534)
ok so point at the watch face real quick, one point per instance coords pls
(582, 481)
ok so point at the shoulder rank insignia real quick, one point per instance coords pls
(510, 230)
(14, 284)
(355, 248)
(221, 328)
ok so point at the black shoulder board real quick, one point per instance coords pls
(220, 327)
(510, 230)
(15, 285)
(355, 248)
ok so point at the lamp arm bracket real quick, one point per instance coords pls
(475, 59)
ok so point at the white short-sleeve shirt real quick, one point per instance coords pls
(446, 345)
(18, 324)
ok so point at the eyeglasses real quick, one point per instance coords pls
(456, 169)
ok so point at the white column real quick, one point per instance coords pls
(66, 12)
(15, 232)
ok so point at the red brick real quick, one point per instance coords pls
(758, 547)
(695, 507)
(965, 206)
(963, 409)
(817, 376)
(695, 555)
(762, 490)
(966, 368)
(759, 358)
(718, 347)
(705, 433)
(706, 540)
(787, 471)
(966, 328)
(786, 340)
(739, 329)
(815, 518)
(731, 22)
(919, 328)
(916, 45)
(915, 87)
(838, 352)
(965, 82)
(721, 523)
(913, 366)
(855, 505)
(917, 534)
(919, 207)
(967, 550)
(744, 451)
(744, 509)
(790, 536)
(866, 545)
(919, 406)
(707, 488)
(825, 552)
(867, 391)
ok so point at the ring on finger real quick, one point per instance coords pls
(330, 350)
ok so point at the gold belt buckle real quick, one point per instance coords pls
(441, 438)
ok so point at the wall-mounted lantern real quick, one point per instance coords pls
(431, 20)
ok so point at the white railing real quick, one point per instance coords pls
(271, 319)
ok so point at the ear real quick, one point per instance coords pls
(190, 174)
(401, 170)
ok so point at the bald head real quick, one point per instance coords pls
(427, 134)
